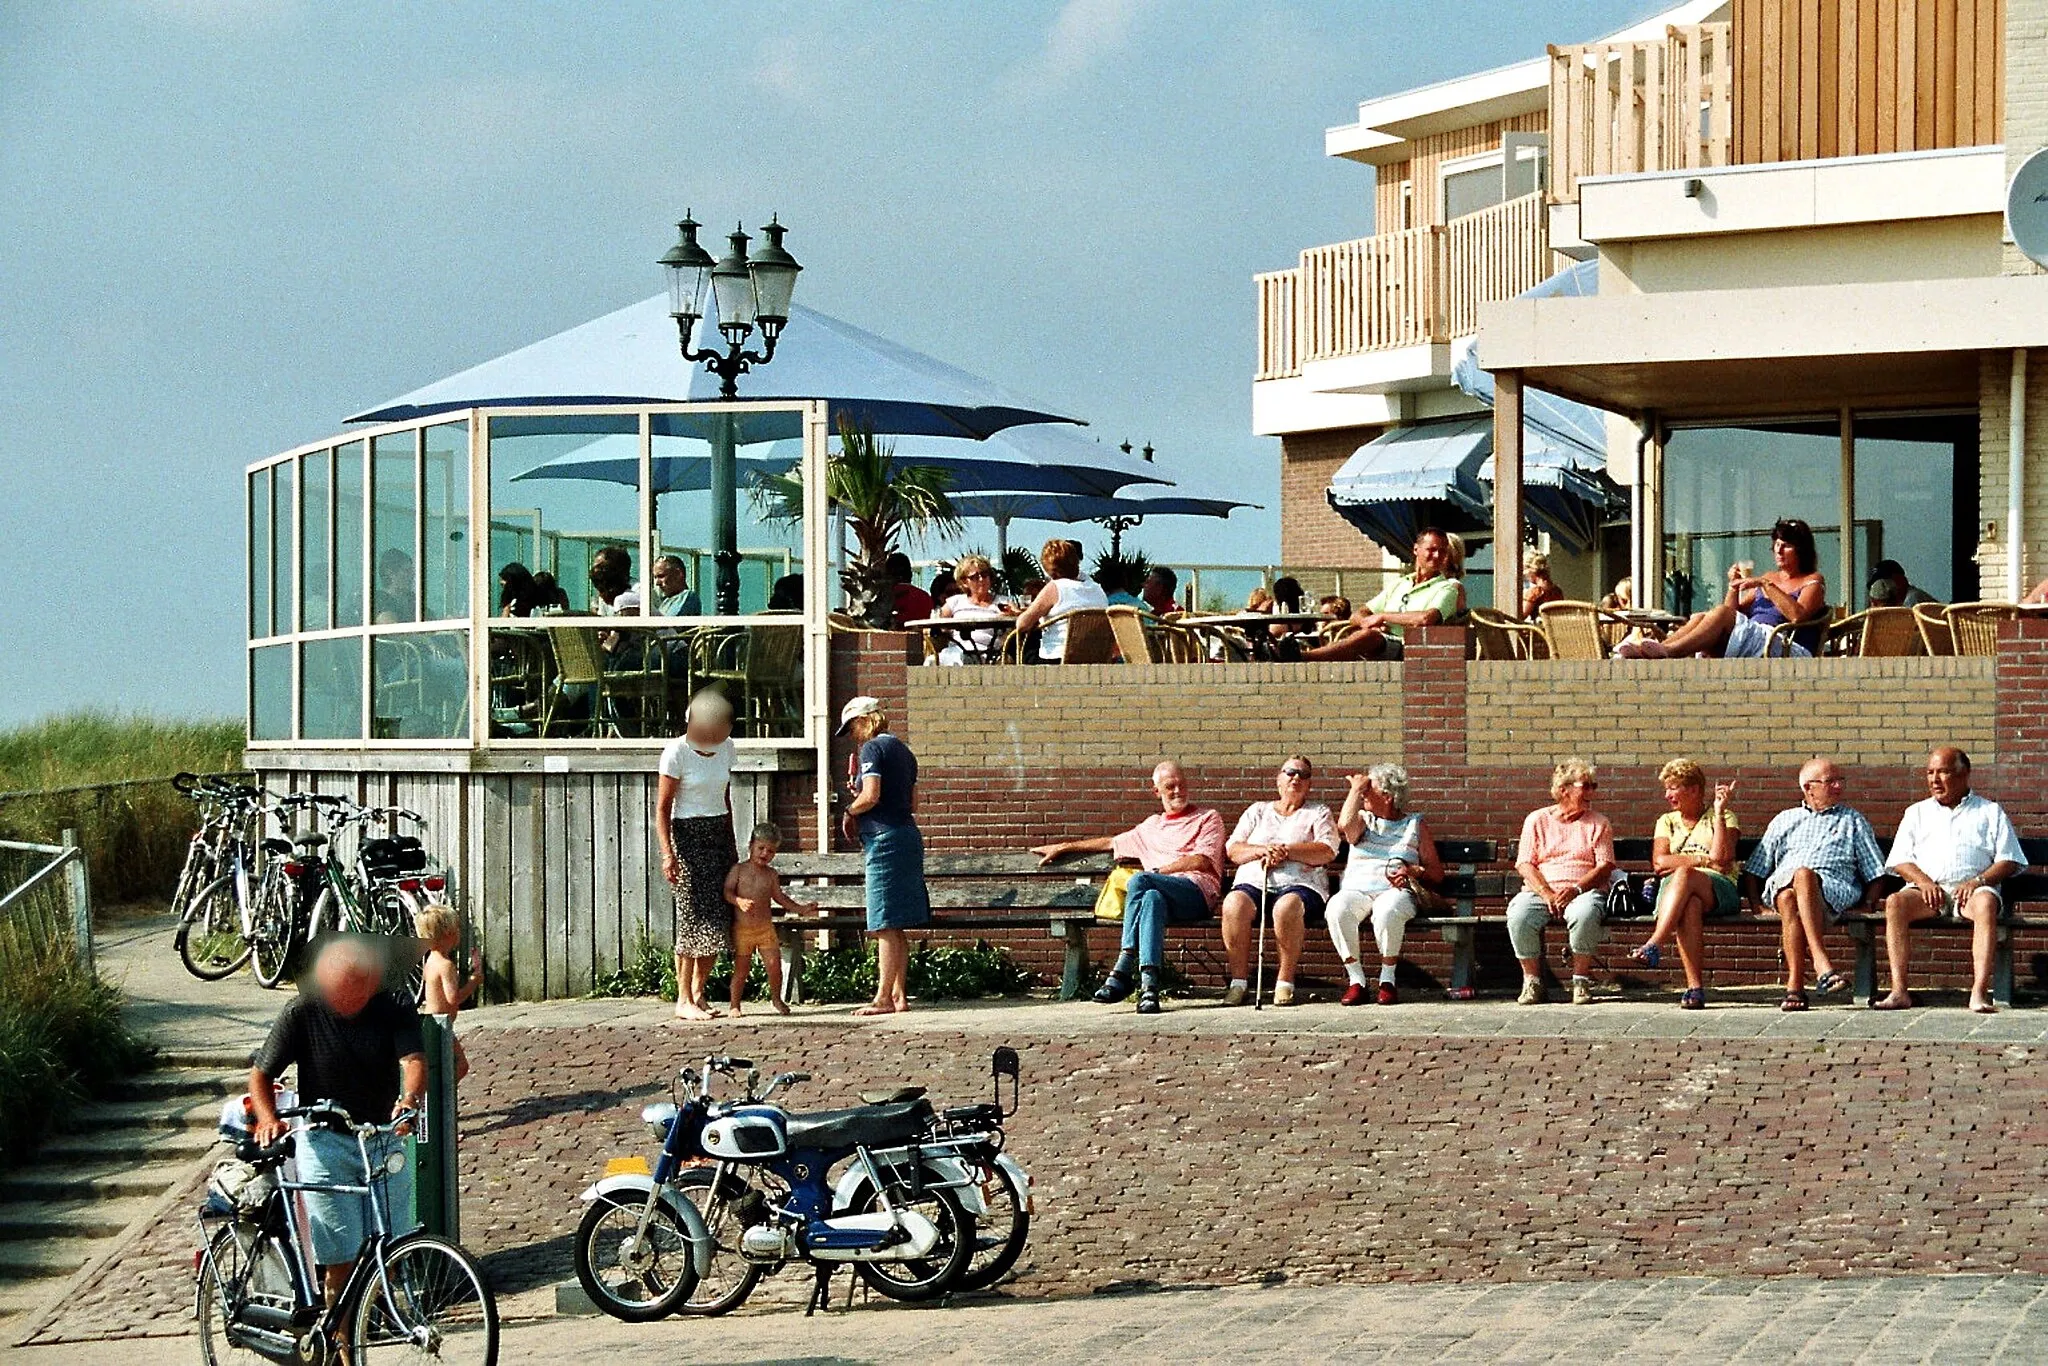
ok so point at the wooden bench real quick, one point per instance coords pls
(1011, 892)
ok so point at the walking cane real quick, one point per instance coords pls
(1259, 976)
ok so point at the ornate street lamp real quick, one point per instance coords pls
(750, 293)
(1120, 524)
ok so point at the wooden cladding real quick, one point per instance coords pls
(1622, 108)
(1839, 78)
(1420, 178)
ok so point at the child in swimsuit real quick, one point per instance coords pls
(442, 930)
(754, 889)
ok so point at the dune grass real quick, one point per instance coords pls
(61, 1041)
(134, 837)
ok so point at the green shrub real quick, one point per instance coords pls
(937, 972)
(61, 1041)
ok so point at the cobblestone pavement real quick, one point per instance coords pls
(1890, 1320)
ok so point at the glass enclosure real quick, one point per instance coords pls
(375, 618)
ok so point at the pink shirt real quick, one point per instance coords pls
(1565, 851)
(1160, 839)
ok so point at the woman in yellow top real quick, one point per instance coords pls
(1694, 854)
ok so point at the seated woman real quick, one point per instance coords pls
(977, 601)
(1623, 598)
(1279, 848)
(1390, 852)
(1537, 586)
(1740, 628)
(1181, 850)
(1694, 855)
(1065, 591)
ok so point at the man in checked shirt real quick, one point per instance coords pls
(1816, 861)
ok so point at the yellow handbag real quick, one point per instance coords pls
(1109, 903)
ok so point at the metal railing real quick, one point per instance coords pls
(46, 907)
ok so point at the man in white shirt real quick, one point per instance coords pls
(1953, 850)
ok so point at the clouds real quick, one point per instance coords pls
(1083, 35)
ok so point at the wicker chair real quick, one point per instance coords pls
(1173, 644)
(1091, 639)
(1133, 642)
(765, 667)
(1932, 619)
(580, 667)
(1973, 626)
(1572, 630)
(1875, 633)
(1496, 635)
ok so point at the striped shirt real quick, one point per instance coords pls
(1400, 838)
(1837, 844)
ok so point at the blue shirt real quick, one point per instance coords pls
(1837, 844)
(889, 759)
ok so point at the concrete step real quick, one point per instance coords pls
(43, 1259)
(102, 1116)
(65, 1182)
(210, 1059)
(20, 1297)
(131, 1144)
(30, 1219)
(169, 1083)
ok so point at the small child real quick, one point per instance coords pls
(441, 929)
(754, 889)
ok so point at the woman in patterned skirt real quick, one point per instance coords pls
(693, 825)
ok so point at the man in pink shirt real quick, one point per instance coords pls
(1566, 858)
(1181, 851)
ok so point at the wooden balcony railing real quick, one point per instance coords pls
(1620, 108)
(1405, 288)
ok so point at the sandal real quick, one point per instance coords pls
(1112, 990)
(1794, 1000)
(1148, 1002)
(1829, 983)
(1648, 955)
(1695, 998)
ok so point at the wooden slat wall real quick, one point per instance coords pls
(1425, 169)
(1837, 78)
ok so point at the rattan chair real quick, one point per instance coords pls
(1875, 633)
(764, 666)
(580, 667)
(1496, 635)
(1932, 619)
(1091, 639)
(1973, 626)
(1173, 644)
(1133, 642)
(1572, 630)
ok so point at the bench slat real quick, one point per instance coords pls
(970, 895)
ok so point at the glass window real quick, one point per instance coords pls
(316, 535)
(331, 674)
(259, 553)
(562, 489)
(1906, 507)
(555, 682)
(1472, 189)
(281, 540)
(422, 682)
(270, 693)
(445, 497)
(348, 534)
(765, 516)
(394, 527)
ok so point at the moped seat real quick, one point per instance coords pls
(901, 1093)
(871, 1126)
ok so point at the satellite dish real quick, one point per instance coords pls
(2026, 207)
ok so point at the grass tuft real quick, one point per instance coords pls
(936, 972)
(61, 1041)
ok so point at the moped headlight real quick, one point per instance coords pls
(658, 1117)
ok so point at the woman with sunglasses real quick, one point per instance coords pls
(1741, 627)
(1566, 858)
(1280, 849)
(976, 600)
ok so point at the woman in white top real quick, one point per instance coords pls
(1391, 853)
(693, 826)
(1279, 848)
(1065, 591)
(977, 577)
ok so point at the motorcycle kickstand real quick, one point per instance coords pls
(821, 1291)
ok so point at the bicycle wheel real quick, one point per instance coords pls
(428, 1299)
(276, 928)
(999, 1235)
(729, 1278)
(927, 1277)
(210, 937)
(635, 1281)
(224, 1280)
(197, 872)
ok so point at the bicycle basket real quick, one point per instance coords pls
(240, 1188)
(394, 856)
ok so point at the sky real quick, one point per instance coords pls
(229, 223)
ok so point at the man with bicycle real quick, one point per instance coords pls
(357, 1046)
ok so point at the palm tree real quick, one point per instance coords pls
(882, 500)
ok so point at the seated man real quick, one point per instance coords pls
(1566, 859)
(1953, 850)
(1425, 597)
(1161, 583)
(1816, 861)
(673, 596)
(1279, 848)
(908, 602)
(1181, 850)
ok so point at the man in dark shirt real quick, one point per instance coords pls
(359, 1047)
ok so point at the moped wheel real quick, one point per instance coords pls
(210, 937)
(428, 1300)
(927, 1277)
(730, 1278)
(276, 924)
(1000, 1234)
(634, 1280)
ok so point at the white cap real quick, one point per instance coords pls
(854, 708)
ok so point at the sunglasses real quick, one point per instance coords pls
(978, 574)
(1301, 773)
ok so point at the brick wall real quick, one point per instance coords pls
(1310, 533)
(1994, 438)
(2026, 98)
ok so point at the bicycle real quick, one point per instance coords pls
(224, 920)
(258, 1297)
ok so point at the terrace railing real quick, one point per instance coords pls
(1658, 105)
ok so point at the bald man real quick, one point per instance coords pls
(1816, 862)
(1953, 850)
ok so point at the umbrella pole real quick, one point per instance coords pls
(1003, 544)
(725, 512)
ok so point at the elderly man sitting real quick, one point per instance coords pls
(1816, 861)
(1429, 595)
(1566, 859)
(1182, 850)
(1953, 850)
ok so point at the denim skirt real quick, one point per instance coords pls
(897, 899)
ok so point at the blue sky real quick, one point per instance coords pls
(228, 223)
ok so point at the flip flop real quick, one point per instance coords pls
(1794, 1000)
(1828, 983)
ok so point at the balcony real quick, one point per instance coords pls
(1417, 287)
(1619, 108)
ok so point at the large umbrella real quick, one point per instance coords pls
(1119, 512)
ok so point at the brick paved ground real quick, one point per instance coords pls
(1417, 1144)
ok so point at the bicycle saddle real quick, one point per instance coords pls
(309, 841)
(277, 846)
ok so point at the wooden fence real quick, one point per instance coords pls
(1622, 108)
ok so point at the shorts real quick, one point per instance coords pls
(339, 1223)
(753, 932)
(1727, 896)
(1751, 640)
(1955, 912)
(1311, 900)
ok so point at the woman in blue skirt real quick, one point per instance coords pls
(884, 782)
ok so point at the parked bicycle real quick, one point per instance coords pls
(231, 909)
(417, 1295)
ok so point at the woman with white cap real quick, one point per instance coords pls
(883, 785)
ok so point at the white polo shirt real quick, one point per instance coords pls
(1954, 843)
